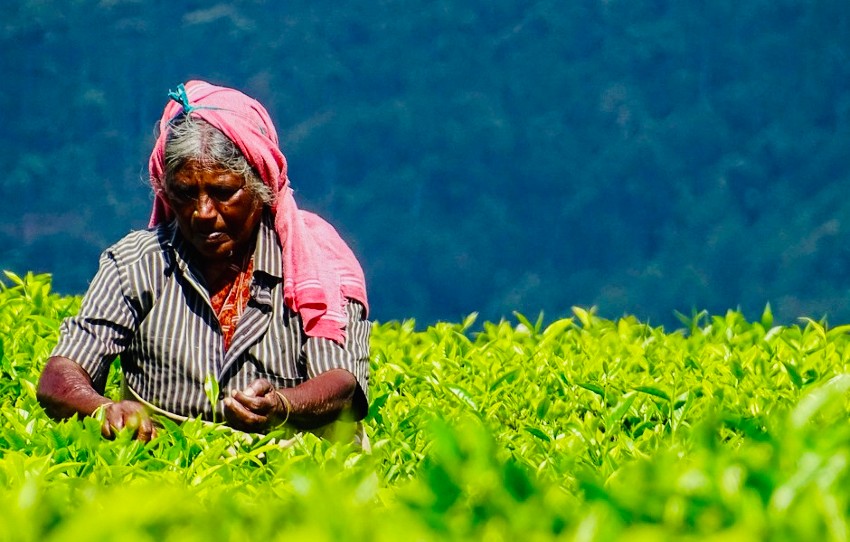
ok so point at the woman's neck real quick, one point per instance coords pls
(218, 273)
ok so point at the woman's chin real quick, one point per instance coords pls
(214, 251)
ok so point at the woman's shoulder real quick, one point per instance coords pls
(142, 246)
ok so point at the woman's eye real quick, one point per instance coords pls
(223, 194)
(182, 193)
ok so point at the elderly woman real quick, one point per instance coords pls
(231, 284)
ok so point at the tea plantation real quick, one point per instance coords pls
(585, 429)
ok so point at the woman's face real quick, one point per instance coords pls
(215, 211)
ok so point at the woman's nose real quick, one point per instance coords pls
(204, 207)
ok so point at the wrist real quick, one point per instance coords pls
(285, 406)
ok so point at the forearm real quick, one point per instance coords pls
(65, 389)
(333, 364)
(320, 400)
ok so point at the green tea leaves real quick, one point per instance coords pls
(211, 390)
(584, 428)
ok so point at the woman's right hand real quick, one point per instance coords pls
(127, 415)
(65, 389)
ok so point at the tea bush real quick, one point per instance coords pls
(582, 429)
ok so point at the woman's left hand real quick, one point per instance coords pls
(254, 408)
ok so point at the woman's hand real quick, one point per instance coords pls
(127, 415)
(255, 408)
(65, 389)
(311, 404)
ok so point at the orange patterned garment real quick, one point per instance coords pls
(230, 300)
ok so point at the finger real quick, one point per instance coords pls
(240, 411)
(248, 392)
(259, 405)
(258, 388)
(238, 415)
(146, 430)
(248, 401)
(106, 429)
(107, 426)
(115, 419)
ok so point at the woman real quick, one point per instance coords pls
(232, 287)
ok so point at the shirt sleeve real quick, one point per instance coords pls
(104, 326)
(322, 355)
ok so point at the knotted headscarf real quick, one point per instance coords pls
(319, 270)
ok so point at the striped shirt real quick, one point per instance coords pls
(148, 304)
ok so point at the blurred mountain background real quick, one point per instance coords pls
(642, 156)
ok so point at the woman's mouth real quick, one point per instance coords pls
(212, 238)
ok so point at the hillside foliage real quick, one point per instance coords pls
(641, 156)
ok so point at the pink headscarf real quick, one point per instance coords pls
(319, 269)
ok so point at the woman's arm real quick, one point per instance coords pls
(337, 384)
(65, 389)
(312, 404)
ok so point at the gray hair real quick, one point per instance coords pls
(195, 139)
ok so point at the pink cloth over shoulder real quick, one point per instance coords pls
(319, 270)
